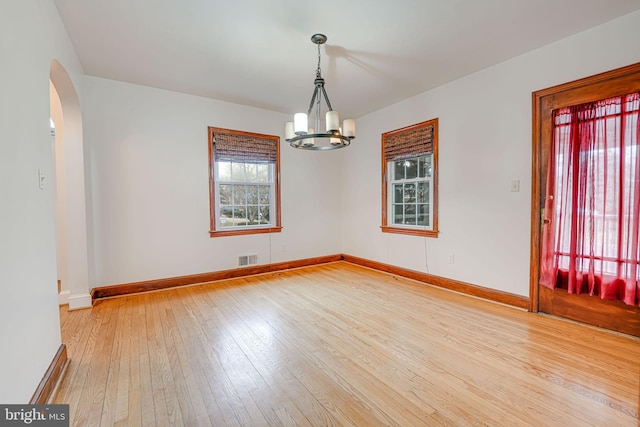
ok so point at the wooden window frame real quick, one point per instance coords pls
(409, 230)
(277, 226)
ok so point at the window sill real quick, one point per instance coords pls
(409, 231)
(240, 232)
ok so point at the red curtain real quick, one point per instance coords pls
(591, 222)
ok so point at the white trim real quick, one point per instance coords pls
(391, 181)
(272, 195)
(63, 297)
(79, 301)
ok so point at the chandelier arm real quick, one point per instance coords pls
(313, 100)
(318, 107)
(326, 98)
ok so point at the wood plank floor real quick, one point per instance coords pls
(339, 344)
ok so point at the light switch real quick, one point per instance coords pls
(41, 179)
(515, 185)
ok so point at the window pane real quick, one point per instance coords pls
(262, 172)
(226, 192)
(423, 215)
(398, 170)
(252, 215)
(425, 166)
(409, 193)
(237, 172)
(226, 216)
(224, 171)
(427, 193)
(423, 193)
(397, 193)
(264, 214)
(251, 172)
(252, 194)
(239, 217)
(239, 195)
(411, 166)
(398, 214)
(264, 194)
(410, 214)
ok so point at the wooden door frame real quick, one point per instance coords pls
(617, 82)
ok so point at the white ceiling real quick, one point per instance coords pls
(259, 52)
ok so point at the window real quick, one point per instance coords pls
(409, 189)
(244, 175)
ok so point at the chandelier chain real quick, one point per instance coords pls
(318, 69)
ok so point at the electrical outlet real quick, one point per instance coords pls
(451, 259)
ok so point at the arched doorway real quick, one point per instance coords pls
(62, 262)
(71, 207)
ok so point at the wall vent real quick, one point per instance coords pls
(247, 260)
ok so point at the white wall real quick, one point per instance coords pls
(149, 173)
(484, 144)
(31, 36)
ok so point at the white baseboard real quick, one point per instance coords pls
(63, 298)
(79, 301)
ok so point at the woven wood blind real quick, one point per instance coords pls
(243, 147)
(412, 142)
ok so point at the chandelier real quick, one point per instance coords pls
(298, 133)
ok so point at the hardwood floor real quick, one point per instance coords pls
(339, 344)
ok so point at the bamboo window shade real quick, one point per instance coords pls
(243, 147)
(411, 142)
